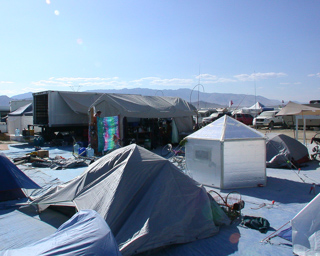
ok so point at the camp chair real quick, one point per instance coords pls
(232, 204)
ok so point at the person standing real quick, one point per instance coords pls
(94, 132)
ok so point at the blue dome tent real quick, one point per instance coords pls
(13, 181)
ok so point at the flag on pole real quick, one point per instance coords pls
(230, 103)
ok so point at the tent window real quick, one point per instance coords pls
(201, 154)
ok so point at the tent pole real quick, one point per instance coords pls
(304, 130)
(297, 125)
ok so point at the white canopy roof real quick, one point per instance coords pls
(298, 109)
(226, 128)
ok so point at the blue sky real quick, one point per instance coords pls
(267, 48)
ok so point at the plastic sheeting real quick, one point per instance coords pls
(86, 233)
(306, 229)
(146, 200)
(218, 155)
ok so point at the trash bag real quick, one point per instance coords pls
(257, 223)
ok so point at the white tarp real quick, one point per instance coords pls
(86, 233)
(306, 229)
(146, 200)
(227, 154)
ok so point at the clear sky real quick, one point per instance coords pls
(267, 48)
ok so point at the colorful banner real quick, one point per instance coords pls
(108, 133)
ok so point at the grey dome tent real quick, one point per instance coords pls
(146, 200)
(13, 181)
(284, 151)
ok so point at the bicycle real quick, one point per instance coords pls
(231, 204)
(176, 156)
(316, 149)
(179, 150)
(168, 149)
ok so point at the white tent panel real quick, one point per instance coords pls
(227, 154)
(244, 168)
(204, 159)
(306, 229)
(20, 122)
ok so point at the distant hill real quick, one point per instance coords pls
(24, 96)
(203, 99)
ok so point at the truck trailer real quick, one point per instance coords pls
(56, 111)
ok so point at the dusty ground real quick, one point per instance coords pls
(5, 141)
(291, 133)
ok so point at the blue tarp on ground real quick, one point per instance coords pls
(12, 180)
(86, 233)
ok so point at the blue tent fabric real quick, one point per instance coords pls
(286, 234)
(12, 180)
(86, 233)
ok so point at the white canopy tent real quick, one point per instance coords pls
(300, 111)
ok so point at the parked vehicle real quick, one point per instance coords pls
(243, 118)
(213, 117)
(202, 113)
(268, 119)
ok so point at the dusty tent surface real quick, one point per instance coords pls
(283, 151)
(218, 154)
(13, 181)
(86, 233)
(146, 200)
(306, 229)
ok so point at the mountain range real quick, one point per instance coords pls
(197, 98)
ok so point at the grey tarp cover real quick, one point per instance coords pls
(133, 105)
(283, 151)
(86, 233)
(146, 200)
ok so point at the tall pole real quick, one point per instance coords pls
(198, 96)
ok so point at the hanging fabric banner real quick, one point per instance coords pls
(108, 133)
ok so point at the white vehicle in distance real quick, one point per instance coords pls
(214, 117)
(202, 113)
(268, 119)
